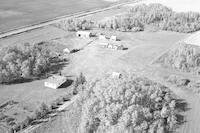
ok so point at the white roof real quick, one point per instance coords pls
(83, 32)
(56, 79)
(194, 39)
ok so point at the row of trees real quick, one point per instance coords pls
(23, 62)
(185, 58)
(126, 105)
(75, 24)
(156, 15)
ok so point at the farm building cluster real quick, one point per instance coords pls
(111, 42)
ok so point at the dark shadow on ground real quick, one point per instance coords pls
(181, 106)
(68, 83)
(125, 49)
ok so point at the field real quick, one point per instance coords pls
(18, 13)
(178, 5)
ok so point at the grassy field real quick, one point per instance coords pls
(95, 61)
(14, 14)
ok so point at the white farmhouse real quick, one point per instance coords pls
(55, 81)
(83, 34)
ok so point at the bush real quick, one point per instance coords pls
(78, 83)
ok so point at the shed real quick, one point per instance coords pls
(66, 51)
(102, 37)
(83, 34)
(116, 75)
(55, 81)
(113, 38)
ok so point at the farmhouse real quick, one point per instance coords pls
(83, 34)
(55, 81)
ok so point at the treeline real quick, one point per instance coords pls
(24, 62)
(123, 23)
(126, 105)
(185, 58)
(156, 15)
(75, 24)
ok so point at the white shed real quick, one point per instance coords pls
(55, 81)
(116, 75)
(84, 34)
(113, 38)
(66, 51)
(102, 37)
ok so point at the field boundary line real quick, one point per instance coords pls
(58, 19)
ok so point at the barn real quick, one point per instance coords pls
(84, 34)
(55, 81)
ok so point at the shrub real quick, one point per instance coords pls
(78, 83)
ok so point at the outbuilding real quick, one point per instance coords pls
(66, 51)
(55, 81)
(116, 75)
(113, 38)
(84, 34)
(102, 37)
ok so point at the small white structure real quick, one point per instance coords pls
(113, 38)
(115, 46)
(116, 75)
(193, 39)
(66, 51)
(55, 81)
(102, 37)
(83, 34)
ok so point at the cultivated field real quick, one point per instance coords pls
(18, 13)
